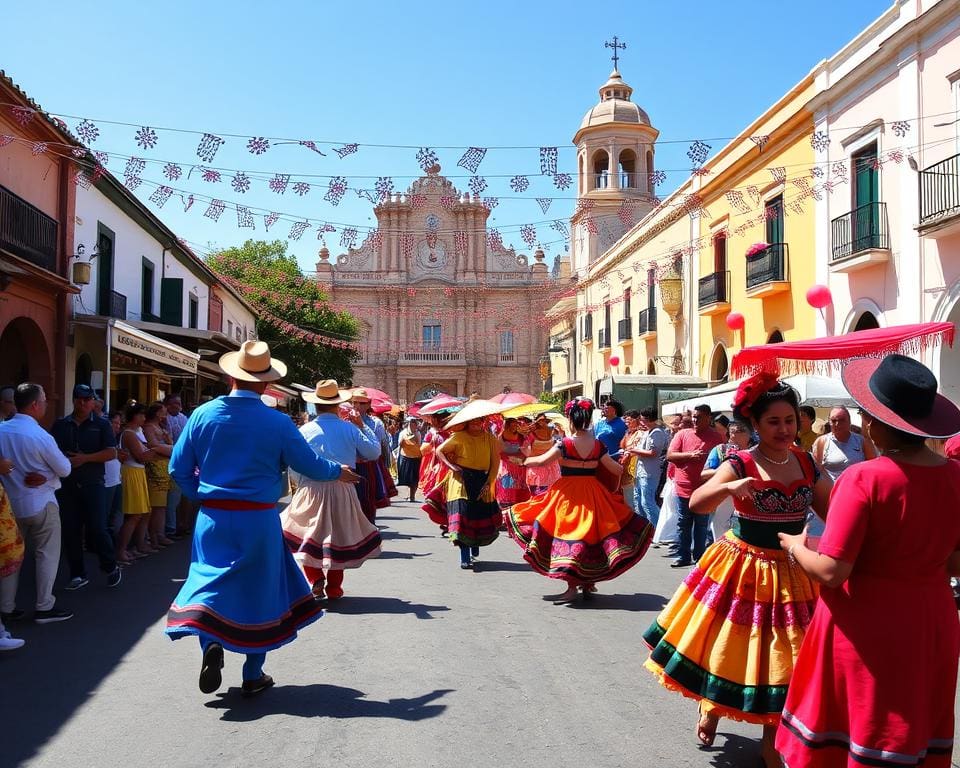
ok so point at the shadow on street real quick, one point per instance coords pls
(320, 700)
(500, 565)
(396, 536)
(734, 751)
(637, 602)
(358, 605)
(403, 555)
(61, 666)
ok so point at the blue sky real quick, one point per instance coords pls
(496, 74)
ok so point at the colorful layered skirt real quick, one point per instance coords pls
(511, 483)
(579, 532)
(325, 527)
(730, 635)
(11, 542)
(408, 471)
(473, 515)
(375, 488)
(433, 483)
(244, 589)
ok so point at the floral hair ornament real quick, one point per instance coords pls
(578, 402)
(751, 389)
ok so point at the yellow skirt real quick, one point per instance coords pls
(136, 497)
(730, 635)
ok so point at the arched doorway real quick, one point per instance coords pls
(25, 355)
(865, 322)
(651, 368)
(949, 373)
(428, 392)
(719, 364)
(83, 369)
(600, 166)
(775, 338)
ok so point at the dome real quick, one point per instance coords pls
(615, 105)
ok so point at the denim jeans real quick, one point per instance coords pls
(466, 552)
(114, 494)
(693, 530)
(85, 506)
(645, 498)
(173, 501)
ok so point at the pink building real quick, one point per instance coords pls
(888, 232)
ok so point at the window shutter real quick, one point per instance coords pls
(171, 301)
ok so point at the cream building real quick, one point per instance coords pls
(442, 306)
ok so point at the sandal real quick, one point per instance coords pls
(707, 728)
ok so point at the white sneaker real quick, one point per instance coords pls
(8, 643)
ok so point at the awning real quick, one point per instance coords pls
(570, 385)
(133, 341)
(817, 391)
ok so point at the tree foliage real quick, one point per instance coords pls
(271, 281)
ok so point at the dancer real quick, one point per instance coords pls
(410, 457)
(540, 440)
(876, 677)
(730, 634)
(324, 525)
(244, 591)
(578, 531)
(377, 487)
(473, 516)
(511, 477)
(434, 472)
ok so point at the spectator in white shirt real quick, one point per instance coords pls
(38, 466)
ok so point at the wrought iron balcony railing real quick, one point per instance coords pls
(647, 322)
(859, 230)
(714, 288)
(771, 265)
(624, 331)
(27, 231)
(940, 190)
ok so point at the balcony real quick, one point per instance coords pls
(768, 272)
(860, 239)
(431, 356)
(507, 358)
(27, 232)
(647, 324)
(940, 196)
(603, 338)
(118, 305)
(625, 331)
(713, 293)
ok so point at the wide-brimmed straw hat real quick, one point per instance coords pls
(252, 362)
(359, 393)
(902, 393)
(327, 392)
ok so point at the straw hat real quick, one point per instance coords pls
(361, 394)
(327, 392)
(477, 409)
(252, 362)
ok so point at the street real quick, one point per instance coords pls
(421, 664)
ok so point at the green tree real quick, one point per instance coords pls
(554, 398)
(271, 281)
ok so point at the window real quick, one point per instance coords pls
(105, 238)
(651, 286)
(229, 328)
(146, 289)
(866, 196)
(194, 319)
(773, 213)
(720, 252)
(606, 316)
(506, 342)
(626, 304)
(431, 336)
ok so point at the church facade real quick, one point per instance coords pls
(442, 305)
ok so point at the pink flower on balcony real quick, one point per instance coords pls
(754, 249)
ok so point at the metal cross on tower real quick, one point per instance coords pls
(615, 45)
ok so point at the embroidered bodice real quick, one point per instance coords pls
(568, 452)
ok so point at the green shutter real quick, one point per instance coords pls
(866, 195)
(171, 301)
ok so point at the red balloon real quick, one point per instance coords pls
(736, 321)
(819, 296)
(614, 360)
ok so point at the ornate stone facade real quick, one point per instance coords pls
(442, 304)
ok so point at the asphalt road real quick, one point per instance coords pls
(421, 664)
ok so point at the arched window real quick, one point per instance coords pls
(506, 342)
(719, 365)
(651, 368)
(650, 186)
(866, 321)
(582, 181)
(628, 169)
(601, 170)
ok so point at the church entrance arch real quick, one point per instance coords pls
(719, 365)
(26, 356)
(429, 392)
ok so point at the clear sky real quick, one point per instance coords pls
(422, 74)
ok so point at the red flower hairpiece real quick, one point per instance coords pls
(580, 402)
(751, 389)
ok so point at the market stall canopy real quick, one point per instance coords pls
(133, 341)
(817, 391)
(824, 355)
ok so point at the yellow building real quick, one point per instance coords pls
(756, 194)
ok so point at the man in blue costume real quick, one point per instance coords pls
(244, 592)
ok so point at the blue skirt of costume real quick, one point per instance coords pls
(244, 589)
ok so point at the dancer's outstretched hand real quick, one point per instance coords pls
(347, 475)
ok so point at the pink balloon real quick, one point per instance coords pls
(736, 321)
(819, 296)
(614, 360)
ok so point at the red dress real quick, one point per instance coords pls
(875, 680)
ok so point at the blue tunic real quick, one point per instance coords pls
(243, 589)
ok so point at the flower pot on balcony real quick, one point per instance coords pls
(81, 273)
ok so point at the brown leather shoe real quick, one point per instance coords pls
(251, 688)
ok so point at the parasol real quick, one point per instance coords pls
(526, 409)
(476, 409)
(821, 355)
(373, 394)
(513, 398)
(440, 403)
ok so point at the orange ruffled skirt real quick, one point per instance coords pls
(730, 635)
(579, 532)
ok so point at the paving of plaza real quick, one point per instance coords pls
(421, 664)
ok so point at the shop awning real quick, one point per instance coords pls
(817, 391)
(133, 341)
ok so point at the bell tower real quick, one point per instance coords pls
(615, 170)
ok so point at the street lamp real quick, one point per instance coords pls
(544, 369)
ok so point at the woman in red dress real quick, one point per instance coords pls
(875, 680)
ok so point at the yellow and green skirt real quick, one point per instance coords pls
(730, 635)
